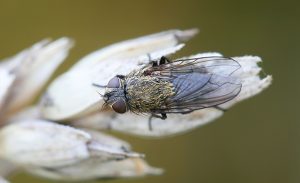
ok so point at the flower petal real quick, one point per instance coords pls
(108, 140)
(92, 169)
(177, 123)
(6, 81)
(139, 125)
(2, 180)
(28, 113)
(72, 95)
(32, 69)
(38, 143)
(41, 143)
(137, 47)
(6, 168)
(253, 84)
(107, 148)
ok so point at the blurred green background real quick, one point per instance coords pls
(255, 142)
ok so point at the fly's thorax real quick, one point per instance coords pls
(146, 93)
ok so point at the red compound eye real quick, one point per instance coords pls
(119, 106)
(114, 83)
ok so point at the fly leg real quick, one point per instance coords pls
(163, 117)
(120, 76)
(163, 60)
(220, 108)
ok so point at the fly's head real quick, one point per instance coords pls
(115, 95)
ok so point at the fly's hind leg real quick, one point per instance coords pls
(220, 108)
(163, 117)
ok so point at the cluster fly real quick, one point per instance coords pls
(174, 86)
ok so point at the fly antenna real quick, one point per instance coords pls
(99, 86)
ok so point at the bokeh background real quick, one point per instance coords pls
(255, 142)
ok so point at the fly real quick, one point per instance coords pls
(178, 86)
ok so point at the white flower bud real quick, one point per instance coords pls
(6, 80)
(37, 143)
(61, 152)
(93, 169)
(2, 180)
(41, 143)
(6, 168)
(32, 68)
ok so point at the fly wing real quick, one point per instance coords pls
(198, 83)
(206, 91)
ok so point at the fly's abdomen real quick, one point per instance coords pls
(146, 93)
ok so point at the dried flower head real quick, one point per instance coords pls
(32, 137)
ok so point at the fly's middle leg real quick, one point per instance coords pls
(220, 108)
(163, 117)
(164, 60)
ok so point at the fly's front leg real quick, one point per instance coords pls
(163, 117)
(120, 76)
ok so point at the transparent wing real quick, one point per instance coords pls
(198, 83)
